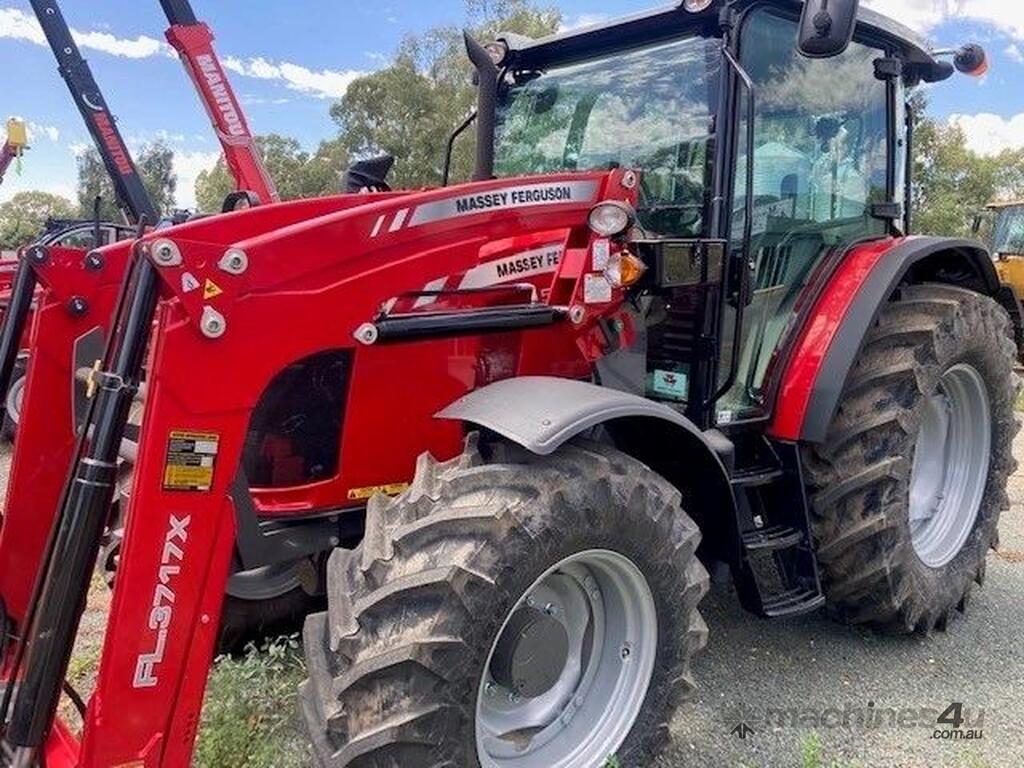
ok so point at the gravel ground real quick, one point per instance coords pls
(820, 672)
(808, 665)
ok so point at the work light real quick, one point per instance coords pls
(610, 218)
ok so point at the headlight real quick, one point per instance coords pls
(610, 218)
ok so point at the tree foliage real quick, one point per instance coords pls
(297, 173)
(409, 108)
(953, 184)
(23, 216)
(156, 167)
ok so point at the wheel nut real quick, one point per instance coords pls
(513, 698)
(551, 609)
(626, 652)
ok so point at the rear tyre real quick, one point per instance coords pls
(908, 489)
(477, 622)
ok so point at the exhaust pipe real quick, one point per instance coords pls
(487, 107)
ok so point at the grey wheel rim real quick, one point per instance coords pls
(607, 609)
(951, 462)
(264, 583)
(15, 396)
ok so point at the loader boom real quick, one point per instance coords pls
(193, 41)
(131, 193)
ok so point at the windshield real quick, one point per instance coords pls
(650, 110)
(1009, 234)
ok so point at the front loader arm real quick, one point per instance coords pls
(306, 289)
(193, 41)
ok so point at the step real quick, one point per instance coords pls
(756, 476)
(793, 603)
(774, 538)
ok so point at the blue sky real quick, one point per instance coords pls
(290, 59)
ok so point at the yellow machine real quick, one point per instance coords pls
(15, 146)
(1008, 243)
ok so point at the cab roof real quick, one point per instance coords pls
(668, 21)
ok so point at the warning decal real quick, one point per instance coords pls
(390, 489)
(211, 290)
(190, 460)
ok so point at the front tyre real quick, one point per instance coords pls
(514, 612)
(908, 489)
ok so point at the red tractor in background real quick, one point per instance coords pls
(675, 319)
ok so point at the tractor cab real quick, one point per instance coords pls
(764, 145)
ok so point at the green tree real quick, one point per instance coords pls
(953, 184)
(156, 167)
(297, 173)
(23, 216)
(409, 108)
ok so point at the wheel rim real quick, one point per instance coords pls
(606, 607)
(264, 583)
(951, 462)
(15, 396)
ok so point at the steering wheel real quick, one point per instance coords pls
(674, 217)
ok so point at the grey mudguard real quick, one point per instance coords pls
(541, 413)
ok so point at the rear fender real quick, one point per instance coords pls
(834, 333)
(542, 413)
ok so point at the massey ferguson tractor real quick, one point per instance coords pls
(503, 426)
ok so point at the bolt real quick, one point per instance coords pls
(489, 688)
(39, 255)
(94, 261)
(234, 261)
(212, 323)
(577, 314)
(551, 609)
(77, 306)
(166, 253)
(530, 601)
(513, 698)
(629, 180)
(626, 652)
(366, 334)
(205, 619)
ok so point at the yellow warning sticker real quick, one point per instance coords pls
(190, 460)
(361, 494)
(211, 290)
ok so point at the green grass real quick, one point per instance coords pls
(812, 755)
(250, 715)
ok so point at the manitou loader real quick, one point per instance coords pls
(675, 319)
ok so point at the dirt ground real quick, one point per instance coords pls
(792, 682)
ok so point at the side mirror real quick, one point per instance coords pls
(971, 60)
(826, 27)
(368, 175)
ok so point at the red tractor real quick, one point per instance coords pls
(675, 319)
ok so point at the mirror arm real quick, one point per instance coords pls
(446, 173)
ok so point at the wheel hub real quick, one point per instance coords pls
(531, 653)
(951, 462)
(568, 674)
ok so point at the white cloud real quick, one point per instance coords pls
(187, 167)
(15, 24)
(324, 83)
(925, 15)
(989, 134)
(1014, 52)
(51, 132)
